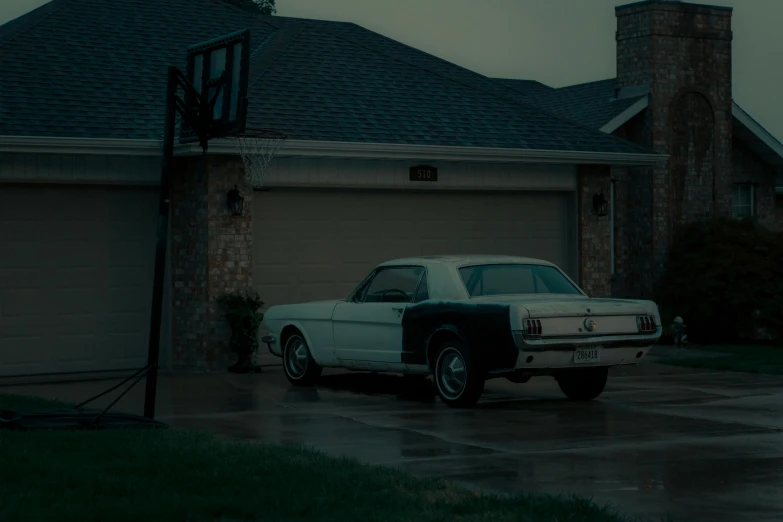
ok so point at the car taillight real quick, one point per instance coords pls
(533, 328)
(646, 324)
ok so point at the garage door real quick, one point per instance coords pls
(76, 267)
(311, 245)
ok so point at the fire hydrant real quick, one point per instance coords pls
(679, 328)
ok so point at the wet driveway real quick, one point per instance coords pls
(702, 446)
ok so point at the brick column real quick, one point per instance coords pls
(778, 217)
(211, 255)
(594, 233)
(633, 219)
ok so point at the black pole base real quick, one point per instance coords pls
(73, 420)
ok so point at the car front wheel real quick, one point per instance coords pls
(457, 375)
(299, 366)
(583, 384)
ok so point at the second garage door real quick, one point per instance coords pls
(76, 266)
(313, 245)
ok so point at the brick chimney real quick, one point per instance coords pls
(673, 44)
(682, 53)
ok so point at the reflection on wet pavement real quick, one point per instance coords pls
(701, 446)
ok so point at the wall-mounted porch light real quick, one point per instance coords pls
(236, 203)
(600, 205)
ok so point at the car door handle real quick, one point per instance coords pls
(398, 310)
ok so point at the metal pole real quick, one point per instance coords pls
(160, 248)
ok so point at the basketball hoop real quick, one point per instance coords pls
(257, 147)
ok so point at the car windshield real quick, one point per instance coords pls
(511, 279)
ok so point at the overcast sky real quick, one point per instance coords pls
(558, 42)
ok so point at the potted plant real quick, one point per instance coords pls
(242, 312)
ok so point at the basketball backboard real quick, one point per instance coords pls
(226, 57)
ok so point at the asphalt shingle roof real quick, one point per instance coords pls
(592, 104)
(526, 87)
(96, 69)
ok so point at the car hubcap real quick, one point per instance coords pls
(297, 358)
(452, 374)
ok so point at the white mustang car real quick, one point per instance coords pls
(466, 319)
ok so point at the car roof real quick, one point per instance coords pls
(465, 259)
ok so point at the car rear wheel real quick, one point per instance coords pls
(299, 366)
(457, 375)
(583, 384)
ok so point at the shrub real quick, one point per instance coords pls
(725, 278)
(245, 320)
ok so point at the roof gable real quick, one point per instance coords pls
(593, 104)
(600, 105)
(758, 140)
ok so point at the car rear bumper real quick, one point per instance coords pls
(559, 352)
(565, 358)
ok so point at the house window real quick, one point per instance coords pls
(743, 200)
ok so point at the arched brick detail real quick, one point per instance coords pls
(692, 163)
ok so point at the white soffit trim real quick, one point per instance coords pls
(329, 149)
(387, 151)
(620, 120)
(50, 145)
(760, 132)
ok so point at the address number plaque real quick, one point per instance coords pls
(424, 173)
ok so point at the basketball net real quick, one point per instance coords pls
(257, 147)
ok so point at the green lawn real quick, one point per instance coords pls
(173, 475)
(742, 358)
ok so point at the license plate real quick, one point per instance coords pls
(587, 355)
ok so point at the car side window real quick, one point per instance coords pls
(393, 285)
(422, 293)
(361, 291)
(358, 296)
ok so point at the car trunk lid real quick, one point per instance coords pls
(584, 307)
